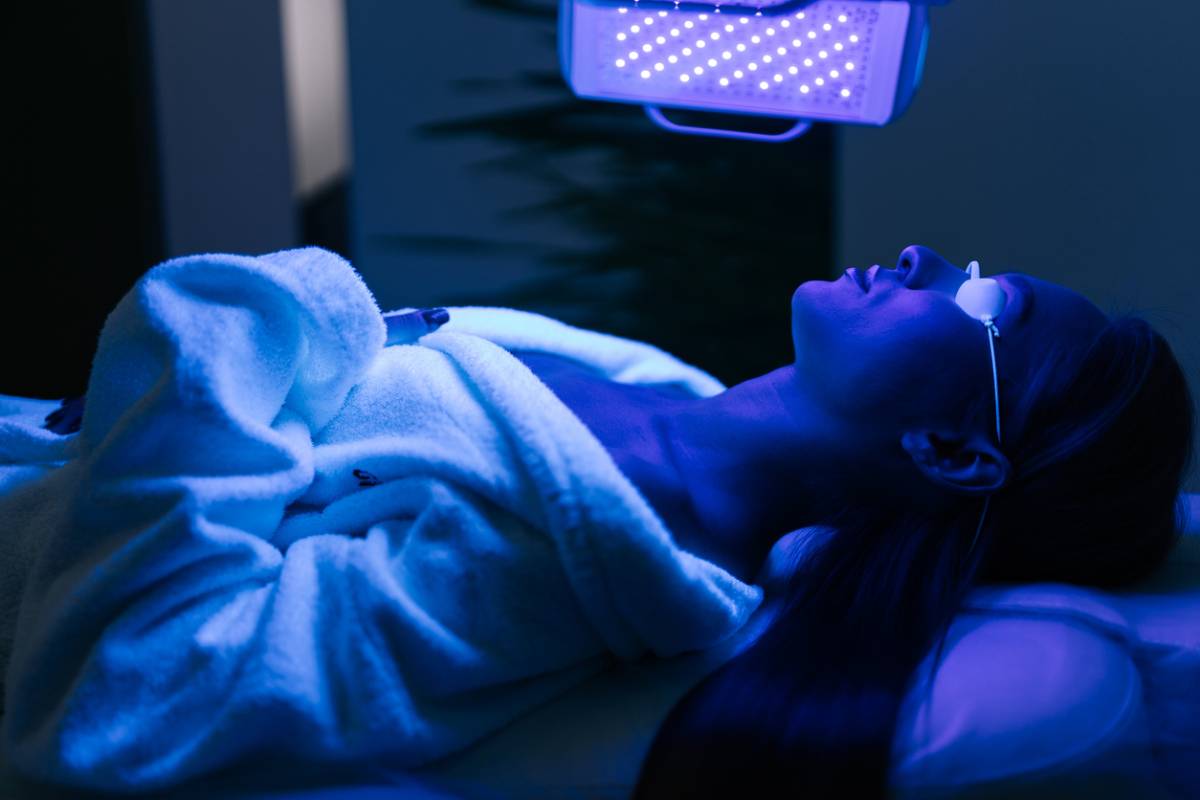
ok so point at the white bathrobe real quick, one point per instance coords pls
(275, 535)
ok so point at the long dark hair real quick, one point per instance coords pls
(1100, 440)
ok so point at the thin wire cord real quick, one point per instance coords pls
(992, 332)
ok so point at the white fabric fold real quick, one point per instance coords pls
(274, 535)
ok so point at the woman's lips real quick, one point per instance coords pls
(859, 278)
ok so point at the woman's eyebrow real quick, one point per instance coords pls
(1025, 294)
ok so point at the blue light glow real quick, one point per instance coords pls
(838, 60)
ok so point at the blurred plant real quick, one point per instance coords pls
(694, 245)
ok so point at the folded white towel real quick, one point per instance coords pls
(275, 535)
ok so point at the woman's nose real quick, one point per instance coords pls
(926, 268)
(914, 255)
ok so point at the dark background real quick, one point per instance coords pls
(436, 147)
(81, 181)
(580, 210)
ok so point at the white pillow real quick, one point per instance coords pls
(1044, 689)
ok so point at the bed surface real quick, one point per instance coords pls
(1046, 691)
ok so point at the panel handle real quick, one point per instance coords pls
(660, 119)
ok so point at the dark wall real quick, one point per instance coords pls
(221, 122)
(82, 218)
(480, 180)
(1053, 138)
(144, 129)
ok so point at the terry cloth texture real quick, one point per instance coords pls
(273, 535)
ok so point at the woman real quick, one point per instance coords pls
(884, 429)
(881, 432)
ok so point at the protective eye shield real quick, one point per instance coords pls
(981, 298)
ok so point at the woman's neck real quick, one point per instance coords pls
(754, 462)
(728, 474)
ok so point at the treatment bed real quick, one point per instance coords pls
(1047, 691)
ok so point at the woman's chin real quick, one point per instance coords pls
(807, 292)
(814, 299)
(821, 313)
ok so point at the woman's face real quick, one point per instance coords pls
(888, 350)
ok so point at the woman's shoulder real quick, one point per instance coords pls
(583, 388)
(540, 361)
(567, 374)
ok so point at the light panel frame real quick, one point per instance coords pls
(772, 62)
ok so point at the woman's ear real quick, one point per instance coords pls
(968, 464)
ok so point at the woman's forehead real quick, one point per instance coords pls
(1049, 309)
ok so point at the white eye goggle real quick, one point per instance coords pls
(981, 298)
(984, 299)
